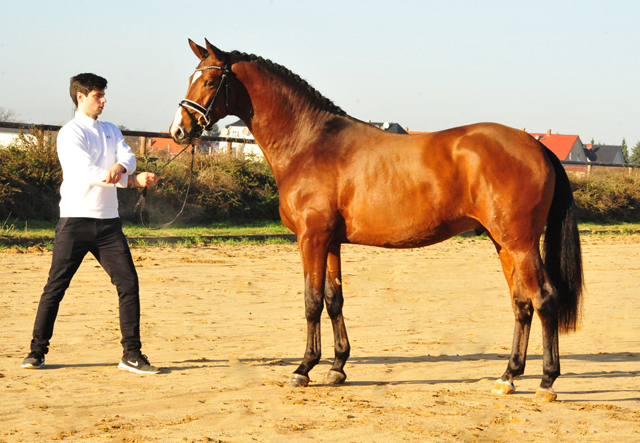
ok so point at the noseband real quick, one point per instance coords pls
(206, 112)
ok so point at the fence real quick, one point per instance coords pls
(139, 141)
(588, 168)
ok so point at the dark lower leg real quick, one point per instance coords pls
(551, 353)
(313, 350)
(313, 310)
(545, 305)
(517, 361)
(334, 301)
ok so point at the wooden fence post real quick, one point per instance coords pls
(143, 146)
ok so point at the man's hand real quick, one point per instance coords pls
(144, 180)
(115, 174)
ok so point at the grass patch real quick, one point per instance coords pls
(204, 235)
(623, 228)
(44, 229)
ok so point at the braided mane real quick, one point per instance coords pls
(324, 102)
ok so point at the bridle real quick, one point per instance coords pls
(206, 112)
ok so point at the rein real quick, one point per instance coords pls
(140, 206)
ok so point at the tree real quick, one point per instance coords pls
(7, 115)
(625, 150)
(635, 155)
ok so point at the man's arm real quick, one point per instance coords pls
(124, 155)
(114, 175)
(143, 180)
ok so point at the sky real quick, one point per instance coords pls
(569, 66)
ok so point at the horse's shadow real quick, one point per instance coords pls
(617, 357)
(609, 357)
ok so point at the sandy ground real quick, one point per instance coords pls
(430, 331)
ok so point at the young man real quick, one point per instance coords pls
(95, 161)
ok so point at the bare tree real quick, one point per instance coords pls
(7, 115)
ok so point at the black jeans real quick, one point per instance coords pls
(106, 241)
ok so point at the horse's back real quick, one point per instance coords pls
(414, 190)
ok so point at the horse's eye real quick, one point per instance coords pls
(208, 83)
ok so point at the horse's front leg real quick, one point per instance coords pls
(334, 300)
(313, 251)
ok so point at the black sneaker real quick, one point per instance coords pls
(138, 364)
(35, 360)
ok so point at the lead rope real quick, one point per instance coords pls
(141, 205)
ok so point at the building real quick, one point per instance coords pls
(156, 145)
(7, 135)
(565, 147)
(10, 131)
(246, 147)
(389, 127)
(611, 154)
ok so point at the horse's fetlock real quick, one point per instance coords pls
(546, 306)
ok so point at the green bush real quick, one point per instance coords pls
(222, 188)
(608, 197)
(30, 177)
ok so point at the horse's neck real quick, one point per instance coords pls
(282, 120)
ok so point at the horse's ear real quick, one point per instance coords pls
(214, 51)
(199, 51)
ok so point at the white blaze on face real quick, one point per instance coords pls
(177, 123)
(177, 120)
(195, 77)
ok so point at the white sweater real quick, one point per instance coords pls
(87, 149)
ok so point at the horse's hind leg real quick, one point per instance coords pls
(523, 311)
(334, 301)
(541, 295)
(313, 251)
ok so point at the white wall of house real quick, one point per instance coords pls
(576, 153)
(250, 148)
(7, 135)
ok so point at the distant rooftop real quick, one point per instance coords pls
(389, 127)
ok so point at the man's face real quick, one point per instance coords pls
(92, 104)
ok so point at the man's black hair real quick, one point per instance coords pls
(86, 83)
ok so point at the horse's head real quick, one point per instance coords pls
(207, 99)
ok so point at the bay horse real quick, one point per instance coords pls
(341, 180)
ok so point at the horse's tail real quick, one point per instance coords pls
(562, 254)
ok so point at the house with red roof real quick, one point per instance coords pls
(167, 145)
(565, 147)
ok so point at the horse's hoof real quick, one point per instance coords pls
(334, 377)
(299, 381)
(503, 387)
(546, 395)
